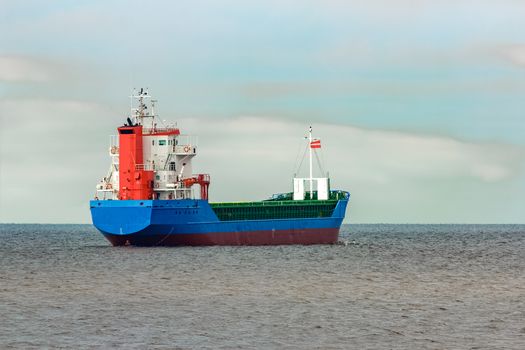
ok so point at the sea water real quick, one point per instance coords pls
(382, 287)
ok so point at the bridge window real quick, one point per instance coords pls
(162, 142)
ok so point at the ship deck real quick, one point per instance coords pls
(280, 206)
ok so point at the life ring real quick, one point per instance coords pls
(114, 150)
(187, 149)
(156, 185)
(109, 186)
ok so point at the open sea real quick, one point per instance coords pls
(383, 287)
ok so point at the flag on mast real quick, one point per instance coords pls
(315, 143)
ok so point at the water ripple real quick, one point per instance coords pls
(384, 286)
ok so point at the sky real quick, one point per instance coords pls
(419, 104)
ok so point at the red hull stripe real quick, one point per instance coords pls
(300, 236)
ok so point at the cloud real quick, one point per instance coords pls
(390, 155)
(515, 54)
(53, 152)
(27, 69)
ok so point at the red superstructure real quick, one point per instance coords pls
(150, 161)
(135, 181)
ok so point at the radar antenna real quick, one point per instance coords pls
(141, 111)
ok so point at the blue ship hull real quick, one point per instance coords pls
(193, 222)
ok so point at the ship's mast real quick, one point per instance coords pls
(304, 186)
(311, 172)
(139, 113)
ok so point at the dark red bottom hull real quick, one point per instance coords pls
(302, 236)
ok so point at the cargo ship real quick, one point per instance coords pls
(150, 196)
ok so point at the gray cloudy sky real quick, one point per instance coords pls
(419, 104)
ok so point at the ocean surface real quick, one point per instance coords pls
(383, 287)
